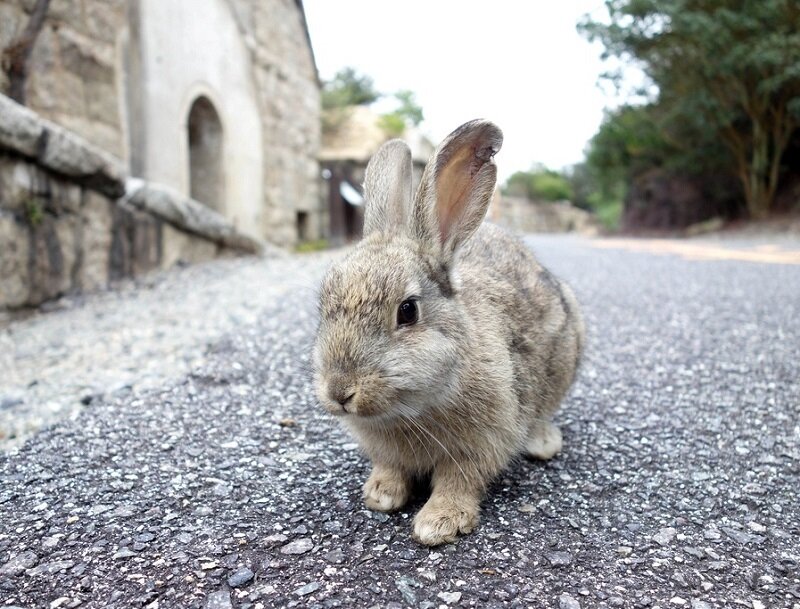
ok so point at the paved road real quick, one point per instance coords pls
(227, 487)
(138, 336)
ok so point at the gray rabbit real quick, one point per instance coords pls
(443, 345)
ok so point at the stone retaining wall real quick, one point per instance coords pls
(538, 217)
(71, 221)
(123, 74)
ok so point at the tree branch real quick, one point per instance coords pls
(17, 54)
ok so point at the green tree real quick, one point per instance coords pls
(540, 184)
(727, 72)
(348, 88)
(604, 199)
(409, 109)
(408, 112)
(628, 142)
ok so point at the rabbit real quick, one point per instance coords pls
(443, 345)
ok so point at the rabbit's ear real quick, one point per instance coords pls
(457, 187)
(387, 189)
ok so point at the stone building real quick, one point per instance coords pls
(216, 99)
(348, 143)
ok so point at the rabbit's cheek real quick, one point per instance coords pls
(374, 397)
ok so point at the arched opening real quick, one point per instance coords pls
(206, 178)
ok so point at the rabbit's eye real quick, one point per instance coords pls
(407, 313)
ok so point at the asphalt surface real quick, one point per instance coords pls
(142, 334)
(677, 487)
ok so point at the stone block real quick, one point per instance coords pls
(135, 242)
(121, 255)
(68, 231)
(14, 248)
(23, 184)
(68, 14)
(183, 248)
(66, 153)
(23, 132)
(96, 215)
(105, 20)
(64, 197)
(20, 129)
(105, 136)
(98, 20)
(53, 257)
(146, 240)
(188, 215)
(102, 103)
(12, 23)
(54, 92)
(16, 183)
(91, 60)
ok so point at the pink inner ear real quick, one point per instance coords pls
(453, 188)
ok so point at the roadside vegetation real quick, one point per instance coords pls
(713, 132)
(350, 88)
(720, 112)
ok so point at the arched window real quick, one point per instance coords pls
(206, 178)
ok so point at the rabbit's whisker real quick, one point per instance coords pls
(408, 423)
(418, 424)
(456, 438)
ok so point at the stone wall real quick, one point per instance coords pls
(115, 72)
(74, 76)
(71, 221)
(528, 216)
(208, 64)
(288, 93)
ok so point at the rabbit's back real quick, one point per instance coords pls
(537, 315)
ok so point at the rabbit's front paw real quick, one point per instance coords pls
(441, 520)
(386, 490)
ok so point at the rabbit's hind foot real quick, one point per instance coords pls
(544, 441)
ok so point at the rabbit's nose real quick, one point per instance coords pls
(344, 400)
(342, 394)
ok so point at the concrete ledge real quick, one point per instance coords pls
(72, 221)
(20, 128)
(27, 134)
(191, 216)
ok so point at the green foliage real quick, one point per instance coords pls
(608, 211)
(307, 247)
(585, 186)
(538, 184)
(409, 109)
(408, 112)
(551, 186)
(392, 124)
(627, 143)
(728, 77)
(34, 212)
(348, 88)
(599, 190)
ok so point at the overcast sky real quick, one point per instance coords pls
(519, 63)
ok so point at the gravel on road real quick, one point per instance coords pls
(136, 337)
(225, 485)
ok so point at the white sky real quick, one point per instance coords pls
(519, 63)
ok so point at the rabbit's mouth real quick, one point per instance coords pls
(367, 397)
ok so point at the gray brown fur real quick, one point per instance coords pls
(477, 379)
